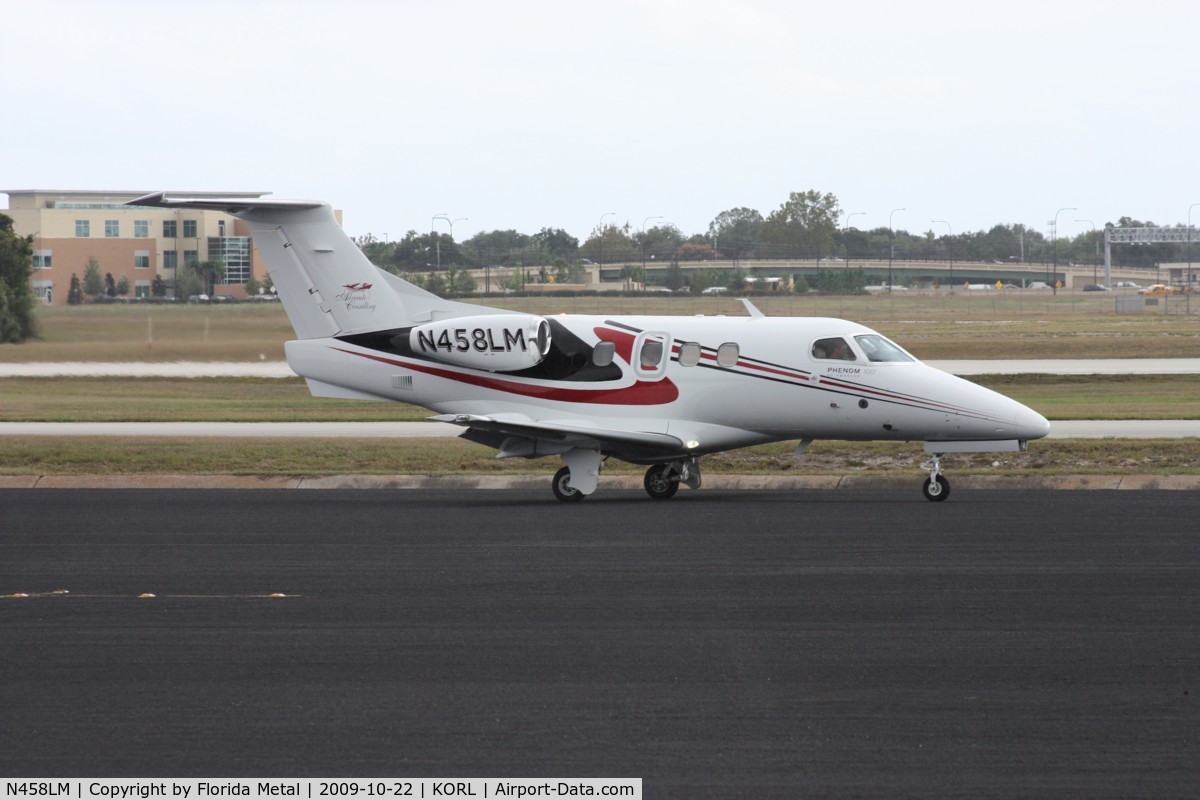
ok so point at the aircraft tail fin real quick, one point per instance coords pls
(327, 285)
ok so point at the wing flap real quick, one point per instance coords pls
(568, 434)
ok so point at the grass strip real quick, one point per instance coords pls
(66, 399)
(21, 455)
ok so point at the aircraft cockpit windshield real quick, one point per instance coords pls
(835, 347)
(878, 348)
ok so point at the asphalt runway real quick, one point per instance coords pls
(722, 644)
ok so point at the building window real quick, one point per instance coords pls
(170, 259)
(191, 256)
(141, 229)
(112, 229)
(234, 253)
(141, 289)
(41, 259)
(170, 229)
(189, 228)
(83, 229)
(141, 259)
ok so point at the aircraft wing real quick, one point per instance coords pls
(516, 435)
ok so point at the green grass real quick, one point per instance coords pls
(26, 455)
(959, 325)
(287, 399)
(70, 399)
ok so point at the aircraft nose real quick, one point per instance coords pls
(1031, 425)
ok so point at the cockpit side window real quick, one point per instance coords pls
(834, 348)
(878, 348)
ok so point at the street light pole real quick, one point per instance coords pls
(642, 242)
(949, 246)
(1054, 282)
(1096, 245)
(437, 240)
(1189, 243)
(600, 227)
(891, 246)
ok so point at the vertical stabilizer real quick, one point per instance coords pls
(327, 285)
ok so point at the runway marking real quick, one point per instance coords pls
(145, 596)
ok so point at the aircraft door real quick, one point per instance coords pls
(651, 354)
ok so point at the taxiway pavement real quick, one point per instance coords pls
(722, 644)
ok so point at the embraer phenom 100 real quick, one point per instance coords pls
(659, 391)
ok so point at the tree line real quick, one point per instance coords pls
(808, 225)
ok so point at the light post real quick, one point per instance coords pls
(949, 246)
(437, 240)
(891, 246)
(600, 227)
(846, 229)
(1096, 249)
(642, 242)
(1054, 281)
(1189, 243)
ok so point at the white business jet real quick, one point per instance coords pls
(659, 391)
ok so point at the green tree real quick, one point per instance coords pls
(736, 231)
(110, 286)
(802, 227)
(556, 243)
(253, 287)
(158, 287)
(122, 287)
(75, 293)
(93, 281)
(610, 244)
(17, 300)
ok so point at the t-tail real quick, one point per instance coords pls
(327, 285)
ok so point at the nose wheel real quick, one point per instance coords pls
(936, 487)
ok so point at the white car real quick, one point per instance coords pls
(715, 290)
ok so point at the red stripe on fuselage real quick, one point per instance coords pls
(642, 393)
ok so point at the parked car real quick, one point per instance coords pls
(1127, 285)
(1158, 288)
(1095, 287)
(715, 290)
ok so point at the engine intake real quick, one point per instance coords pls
(494, 342)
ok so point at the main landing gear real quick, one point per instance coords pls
(936, 487)
(661, 481)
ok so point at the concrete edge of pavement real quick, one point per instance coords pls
(743, 482)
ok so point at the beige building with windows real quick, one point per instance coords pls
(69, 227)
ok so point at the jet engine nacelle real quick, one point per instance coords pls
(495, 342)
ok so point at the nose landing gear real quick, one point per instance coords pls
(936, 487)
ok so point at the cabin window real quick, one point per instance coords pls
(878, 348)
(602, 353)
(834, 348)
(651, 354)
(727, 354)
(689, 354)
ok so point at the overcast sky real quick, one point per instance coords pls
(550, 114)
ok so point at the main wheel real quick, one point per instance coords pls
(936, 489)
(658, 484)
(563, 489)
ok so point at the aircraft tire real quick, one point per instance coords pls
(658, 485)
(563, 489)
(936, 489)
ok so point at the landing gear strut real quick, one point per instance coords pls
(662, 480)
(936, 487)
(659, 483)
